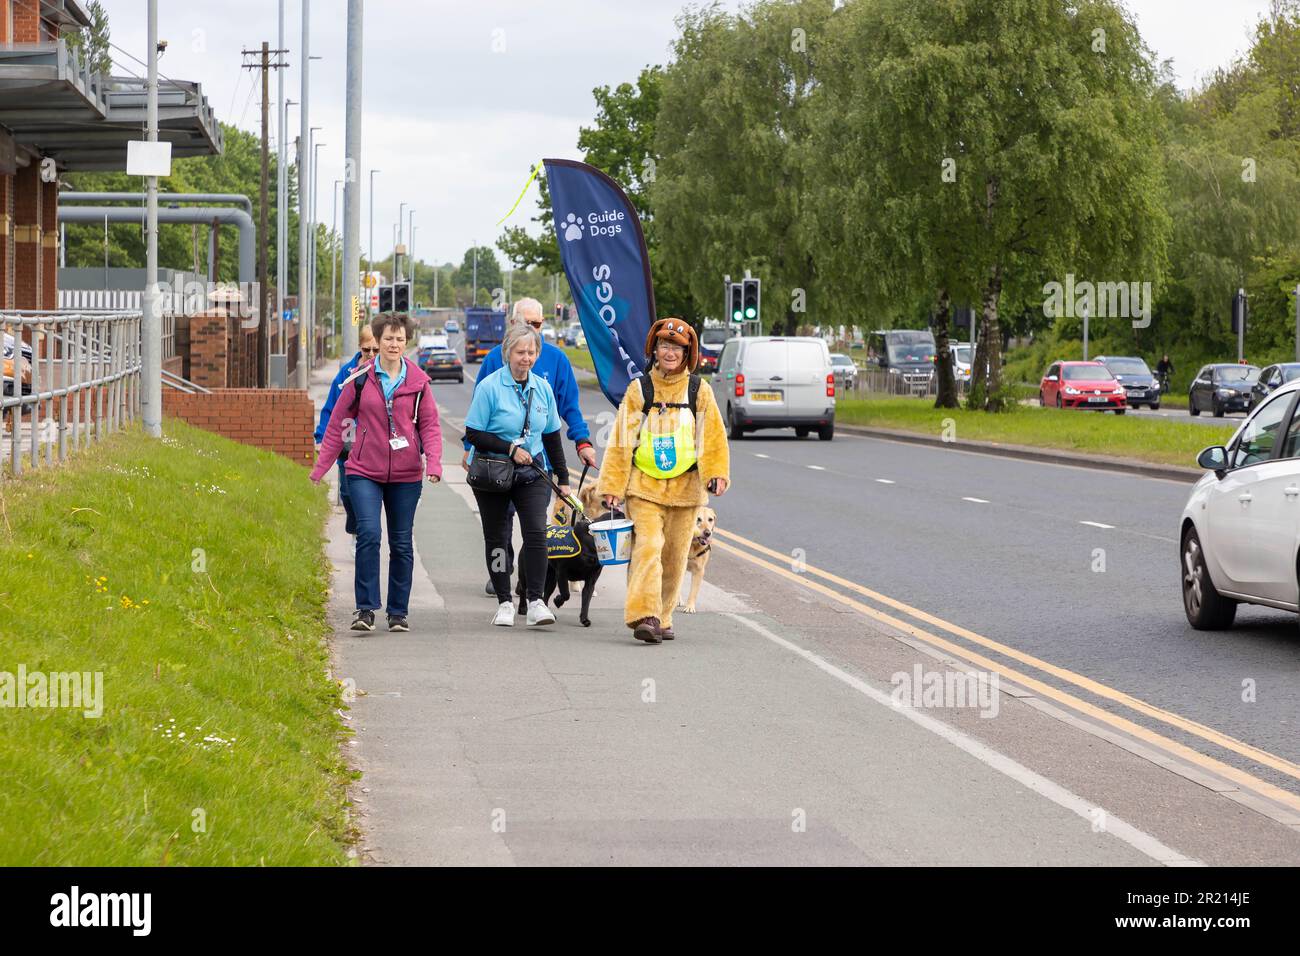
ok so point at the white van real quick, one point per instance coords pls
(776, 382)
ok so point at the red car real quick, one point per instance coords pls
(1082, 385)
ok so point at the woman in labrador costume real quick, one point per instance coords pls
(664, 462)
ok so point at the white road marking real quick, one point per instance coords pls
(1140, 840)
(885, 481)
(758, 454)
(1097, 524)
(816, 467)
(978, 501)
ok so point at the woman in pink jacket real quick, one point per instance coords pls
(386, 410)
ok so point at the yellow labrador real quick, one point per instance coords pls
(698, 558)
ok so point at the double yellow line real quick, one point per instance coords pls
(1243, 779)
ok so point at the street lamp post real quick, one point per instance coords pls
(334, 267)
(410, 257)
(401, 211)
(304, 181)
(372, 233)
(311, 255)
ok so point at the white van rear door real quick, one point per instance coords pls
(807, 365)
(766, 373)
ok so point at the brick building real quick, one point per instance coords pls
(58, 115)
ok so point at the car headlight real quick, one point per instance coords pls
(1071, 390)
(1226, 393)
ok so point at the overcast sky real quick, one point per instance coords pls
(460, 97)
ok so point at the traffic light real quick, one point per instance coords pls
(385, 298)
(737, 299)
(559, 312)
(749, 291)
(402, 297)
(1239, 311)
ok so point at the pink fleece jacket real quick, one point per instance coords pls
(372, 456)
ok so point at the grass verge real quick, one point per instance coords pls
(190, 573)
(1155, 440)
(578, 358)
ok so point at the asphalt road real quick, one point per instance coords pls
(1077, 567)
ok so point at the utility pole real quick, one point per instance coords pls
(151, 319)
(475, 241)
(263, 277)
(304, 181)
(351, 168)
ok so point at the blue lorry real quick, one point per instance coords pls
(484, 330)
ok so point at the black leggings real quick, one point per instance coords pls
(530, 503)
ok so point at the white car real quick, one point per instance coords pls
(1240, 533)
(962, 358)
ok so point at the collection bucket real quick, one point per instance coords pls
(613, 540)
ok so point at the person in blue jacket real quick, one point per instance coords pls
(369, 349)
(553, 366)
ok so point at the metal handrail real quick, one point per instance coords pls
(83, 361)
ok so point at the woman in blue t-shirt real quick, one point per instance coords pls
(514, 413)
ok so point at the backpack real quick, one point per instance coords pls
(692, 396)
(360, 382)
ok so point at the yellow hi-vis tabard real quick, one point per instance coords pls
(667, 454)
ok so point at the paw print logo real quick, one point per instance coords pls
(573, 227)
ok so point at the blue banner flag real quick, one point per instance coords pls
(605, 260)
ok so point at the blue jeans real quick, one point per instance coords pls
(350, 526)
(398, 500)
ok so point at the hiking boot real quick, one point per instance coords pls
(539, 613)
(364, 621)
(647, 629)
(505, 614)
(397, 622)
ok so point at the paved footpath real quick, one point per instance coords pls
(752, 739)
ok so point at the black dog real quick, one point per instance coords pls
(561, 572)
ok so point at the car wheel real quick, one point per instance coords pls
(1218, 410)
(734, 430)
(1192, 408)
(1120, 411)
(1042, 401)
(1059, 402)
(801, 432)
(826, 432)
(461, 380)
(1206, 609)
(1155, 406)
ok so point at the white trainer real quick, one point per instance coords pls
(505, 614)
(539, 613)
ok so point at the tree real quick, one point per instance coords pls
(729, 191)
(92, 42)
(489, 276)
(1032, 125)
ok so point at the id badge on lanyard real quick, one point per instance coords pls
(396, 442)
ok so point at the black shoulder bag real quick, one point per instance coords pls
(491, 472)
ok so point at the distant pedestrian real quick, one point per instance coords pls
(514, 417)
(367, 352)
(553, 366)
(390, 411)
(662, 459)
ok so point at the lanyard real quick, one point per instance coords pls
(526, 403)
(392, 426)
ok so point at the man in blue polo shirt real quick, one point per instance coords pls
(554, 366)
